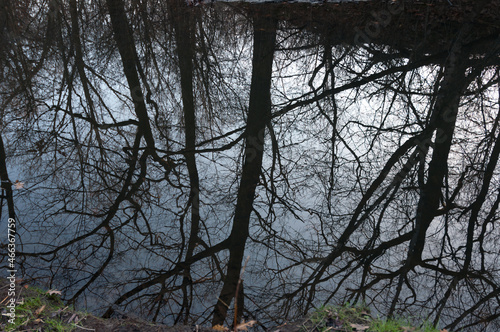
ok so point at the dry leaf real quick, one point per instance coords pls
(39, 320)
(243, 326)
(39, 310)
(219, 328)
(53, 291)
(18, 185)
(359, 327)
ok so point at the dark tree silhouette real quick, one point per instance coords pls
(350, 150)
(259, 115)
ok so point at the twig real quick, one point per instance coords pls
(84, 328)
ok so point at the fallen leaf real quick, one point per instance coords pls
(219, 328)
(39, 310)
(244, 326)
(53, 291)
(39, 320)
(18, 184)
(359, 327)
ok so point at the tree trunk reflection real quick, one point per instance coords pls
(259, 115)
(350, 150)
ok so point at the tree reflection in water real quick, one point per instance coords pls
(350, 150)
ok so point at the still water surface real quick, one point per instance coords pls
(336, 152)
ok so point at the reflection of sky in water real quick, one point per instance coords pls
(311, 207)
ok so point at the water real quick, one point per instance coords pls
(362, 96)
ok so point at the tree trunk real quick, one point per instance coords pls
(443, 120)
(259, 113)
(126, 47)
(6, 184)
(444, 115)
(183, 21)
